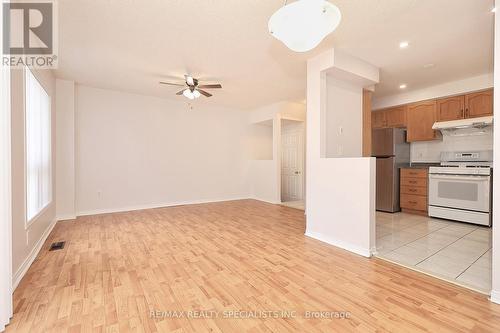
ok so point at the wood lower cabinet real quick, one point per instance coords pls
(413, 190)
(420, 118)
(451, 108)
(479, 104)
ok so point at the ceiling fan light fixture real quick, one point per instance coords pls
(190, 80)
(303, 24)
(191, 94)
(188, 93)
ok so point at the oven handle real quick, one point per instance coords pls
(459, 177)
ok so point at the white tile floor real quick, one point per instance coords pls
(458, 252)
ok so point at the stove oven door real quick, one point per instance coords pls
(469, 192)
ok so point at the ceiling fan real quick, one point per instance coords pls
(193, 89)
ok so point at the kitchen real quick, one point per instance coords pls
(434, 192)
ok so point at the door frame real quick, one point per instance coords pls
(303, 176)
(6, 308)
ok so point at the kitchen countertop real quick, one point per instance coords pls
(419, 166)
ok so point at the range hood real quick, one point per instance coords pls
(463, 127)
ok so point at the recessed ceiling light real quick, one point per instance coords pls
(403, 86)
(429, 65)
(404, 44)
(494, 9)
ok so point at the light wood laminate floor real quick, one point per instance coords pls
(227, 257)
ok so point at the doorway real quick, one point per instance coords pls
(292, 163)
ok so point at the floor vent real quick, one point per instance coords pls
(57, 246)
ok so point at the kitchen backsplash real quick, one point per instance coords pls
(430, 151)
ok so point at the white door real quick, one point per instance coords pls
(292, 165)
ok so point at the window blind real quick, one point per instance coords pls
(38, 147)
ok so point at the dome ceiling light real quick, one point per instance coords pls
(303, 24)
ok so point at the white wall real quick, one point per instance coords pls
(135, 151)
(343, 117)
(341, 203)
(446, 89)
(286, 109)
(430, 151)
(260, 140)
(264, 181)
(26, 241)
(340, 191)
(65, 152)
(495, 285)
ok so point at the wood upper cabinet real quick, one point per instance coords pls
(392, 117)
(479, 104)
(420, 118)
(451, 108)
(396, 117)
(378, 119)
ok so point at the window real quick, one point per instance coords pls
(38, 147)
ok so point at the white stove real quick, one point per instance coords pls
(460, 189)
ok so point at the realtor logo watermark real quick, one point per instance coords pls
(29, 34)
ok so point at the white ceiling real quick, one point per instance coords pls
(130, 45)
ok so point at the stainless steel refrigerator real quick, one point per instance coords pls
(392, 151)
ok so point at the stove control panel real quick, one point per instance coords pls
(467, 156)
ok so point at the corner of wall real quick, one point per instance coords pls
(21, 271)
(495, 296)
(365, 252)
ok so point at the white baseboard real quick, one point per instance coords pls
(271, 201)
(66, 218)
(495, 296)
(157, 205)
(19, 274)
(335, 242)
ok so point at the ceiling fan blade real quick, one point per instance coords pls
(180, 92)
(173, 84)
(204, 93)
(210, 86)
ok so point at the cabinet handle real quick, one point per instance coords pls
(412, 190)
(467, 113)
(412, 182)
(462, 112)
(412, 202)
